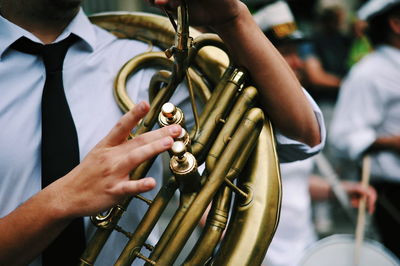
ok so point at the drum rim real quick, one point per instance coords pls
(322, 242)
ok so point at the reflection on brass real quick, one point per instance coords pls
(185, 138)
(232, 137)
(183, 166)
(170, 114)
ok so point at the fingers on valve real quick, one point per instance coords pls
(133, 187)
(134, 157)
(127, 122)
(169, 131)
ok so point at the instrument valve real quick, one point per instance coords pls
(183, 165)
(170, 114)
(185, 138)
(169, 111)
(179, 150)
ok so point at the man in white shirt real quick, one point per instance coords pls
(367, 116)
(88, 72)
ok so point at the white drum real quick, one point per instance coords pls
(338, 250)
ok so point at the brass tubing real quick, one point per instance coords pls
(173, 225)
(94, 246)
(244, 102)
(163, 96)
(139, 61)
(213, 230)
(162, 76)
(218, 216)
(203, 40)
(214, 99)
(193, 104)
(243, 157)
(147, 224)
(253, 236)
(253, 122)
(202, 143)
(184, 167)
(182, 37)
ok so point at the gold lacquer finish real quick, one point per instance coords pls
(170, 114)
(231, 136)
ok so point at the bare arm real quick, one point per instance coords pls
(282, 96)
(318, 76)
(103, 174)
(319, 188)
(391, 143)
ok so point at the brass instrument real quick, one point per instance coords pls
(231, 136)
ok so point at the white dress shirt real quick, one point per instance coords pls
(369, 107)
(89, 70)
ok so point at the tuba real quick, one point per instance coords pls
(234, 139)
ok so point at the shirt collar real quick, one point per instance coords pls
(80, 26)
(83, 28)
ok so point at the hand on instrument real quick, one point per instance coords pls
(281, 94)
(356, 192)
(206, 12)
(102, 178)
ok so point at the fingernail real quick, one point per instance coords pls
(148, 182)
(142, 106)
(167, 142)
(174, 129)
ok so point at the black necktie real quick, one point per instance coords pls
(60, 150)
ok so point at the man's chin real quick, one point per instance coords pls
(66, 4)
(62, 9)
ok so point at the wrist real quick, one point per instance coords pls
(57, 202)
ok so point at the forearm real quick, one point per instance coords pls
(319, 189)
(281, 93)
(102, 175)
(30, 228)
(391, 143)
(317, 75)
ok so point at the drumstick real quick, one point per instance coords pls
(332, 178)
(366, 167)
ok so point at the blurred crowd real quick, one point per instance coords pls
(347, 57)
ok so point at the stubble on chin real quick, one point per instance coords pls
(65, 4)
(60, 9)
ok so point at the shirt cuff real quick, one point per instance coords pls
(290, 150)
(359, 141)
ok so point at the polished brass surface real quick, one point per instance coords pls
(185, 138)
(231, 136)
(254, 220)
(170, 114)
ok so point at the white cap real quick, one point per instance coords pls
(375, 7)
(273, 14)
(277, 22)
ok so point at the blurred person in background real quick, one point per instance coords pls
(367, 116)
(325, 55)
(296, 231)
(360, 45)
